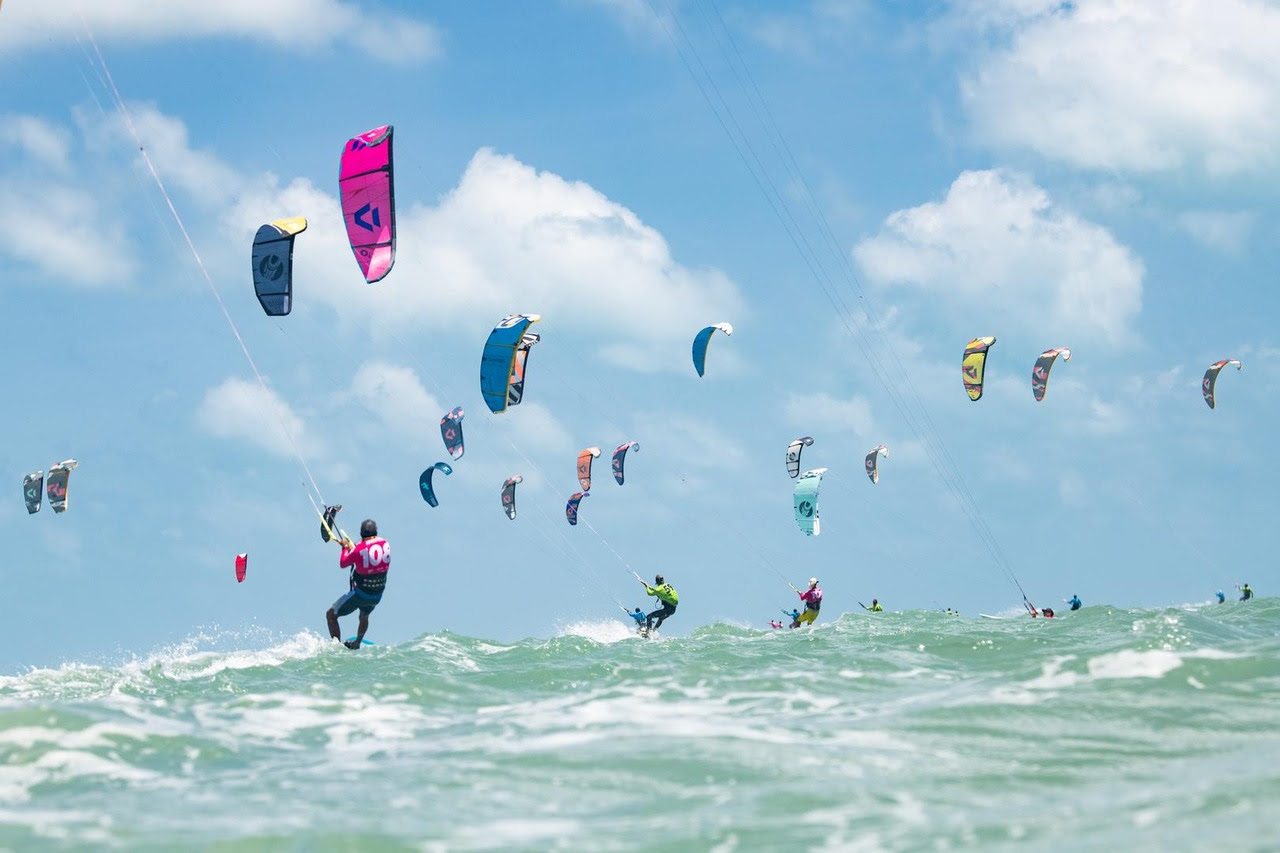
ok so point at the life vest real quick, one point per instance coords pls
(666, 594)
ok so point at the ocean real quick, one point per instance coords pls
(1105, 729)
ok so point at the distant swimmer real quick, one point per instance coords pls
(667, 597)
(1222, 598)
(875, 607)
(369, 562)
(812, 598)
(1246, 592)
(1075, 602)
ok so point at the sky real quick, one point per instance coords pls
(858, 188)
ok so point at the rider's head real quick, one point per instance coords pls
(368, 528)
(659, 580)
(813, 581)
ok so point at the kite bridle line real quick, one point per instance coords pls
(213, 288)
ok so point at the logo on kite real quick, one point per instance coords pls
(451, 432)
(620, 456)
(793, 455)
(424, 482)
(1040, 373)
(509, 495)
(1211, 378)
(700, 342)
(242, 566)
(359, 219)
(271, 267)
(974, 365)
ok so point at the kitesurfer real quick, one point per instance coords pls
(876, 606)
(1246, 592)
(1222, 597)
(667, 597)
(637, 615)
(1075, 602)
(1047, 612)
(369, 562)
(774, 623)
(812, 598)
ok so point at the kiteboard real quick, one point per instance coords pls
(365, 642)
(989, 616)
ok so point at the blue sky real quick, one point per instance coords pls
(858, 189)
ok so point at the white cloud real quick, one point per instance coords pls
(393, 394)
(801, 32)
(996, 244)
(1130, 84)
(301, 25)
(242, 409)
(48, 144)
(1224, 231)
(838, 417)
(85, 248)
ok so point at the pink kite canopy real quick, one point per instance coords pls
(368, 201)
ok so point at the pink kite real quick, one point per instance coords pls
(368, 201)
(242, 565)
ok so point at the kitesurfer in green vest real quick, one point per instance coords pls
(667, 597)
(1246, 592)
(876, 606)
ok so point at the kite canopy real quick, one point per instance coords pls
(509, 495)
(33, 490)
(584, 466)
(571, 508)
(366, 185)
(793, 455)
(502, 364)
(1211, 378)
(273, 264)
(872, 471)
(1040, 373)
(242, 566)
(806, 501)
(451, 432)
(56, 484)
(620, 456)
(700, 342)
(424, 482)
(974, 365)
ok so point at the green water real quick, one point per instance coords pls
(1105, 729)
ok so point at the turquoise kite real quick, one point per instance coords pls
(806, 501)
(700, 345)
(503, 361)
